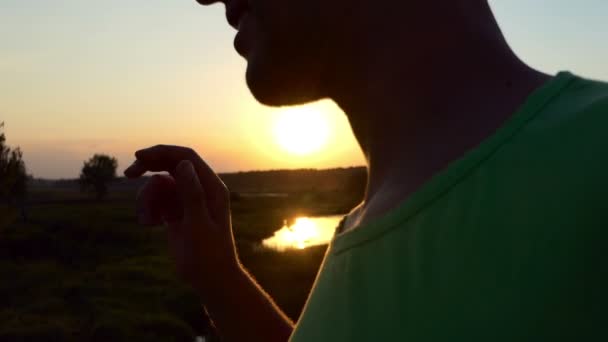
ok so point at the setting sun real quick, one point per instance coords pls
(301, 130)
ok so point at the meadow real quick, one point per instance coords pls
(79, 269)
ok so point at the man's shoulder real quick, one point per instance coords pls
(561, 152)
(584, 120)
(581, 100)
(575, 119)
(588, 96)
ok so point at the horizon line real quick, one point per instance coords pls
(226, 172)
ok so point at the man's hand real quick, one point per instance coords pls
(195, 205)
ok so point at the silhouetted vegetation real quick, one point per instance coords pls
(97, 172)
(350, 180)
(13, 175)
(82, 270)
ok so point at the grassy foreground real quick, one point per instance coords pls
(82, 270)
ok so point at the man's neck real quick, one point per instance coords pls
(412, 121)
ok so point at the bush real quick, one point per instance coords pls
(97, 172)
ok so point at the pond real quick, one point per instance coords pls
(303, 233)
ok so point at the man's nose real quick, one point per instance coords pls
(209, 2)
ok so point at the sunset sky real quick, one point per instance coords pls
(79, 77)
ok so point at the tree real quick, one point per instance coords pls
(97, 172)
(13, 175)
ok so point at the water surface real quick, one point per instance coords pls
(304, 232)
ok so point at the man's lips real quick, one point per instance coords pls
(235, 12)
(242, 41)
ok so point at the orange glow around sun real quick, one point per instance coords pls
(301, 130)
(315, 135)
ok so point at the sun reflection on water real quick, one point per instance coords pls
(304, 232)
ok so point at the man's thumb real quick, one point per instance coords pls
(189, 189)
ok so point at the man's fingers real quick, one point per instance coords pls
(137, 169)
(157, 201)
(167, 157)
(191, 192)
(162, 158)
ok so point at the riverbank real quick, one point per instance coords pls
(79, 269)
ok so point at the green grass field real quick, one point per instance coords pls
(82, 270)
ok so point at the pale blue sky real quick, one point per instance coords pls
(79, 77)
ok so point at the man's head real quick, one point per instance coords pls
(284, 44)
(294, 48)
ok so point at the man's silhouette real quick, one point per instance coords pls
(484, 217)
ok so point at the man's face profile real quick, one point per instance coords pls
(294, 48)
(285, 45)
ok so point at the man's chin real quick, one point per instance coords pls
(275, 93)
(270, 98)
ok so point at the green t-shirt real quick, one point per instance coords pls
(508, 243)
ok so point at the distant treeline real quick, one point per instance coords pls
(297, 181)
(351, 180)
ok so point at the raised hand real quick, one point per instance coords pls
(195, 205)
